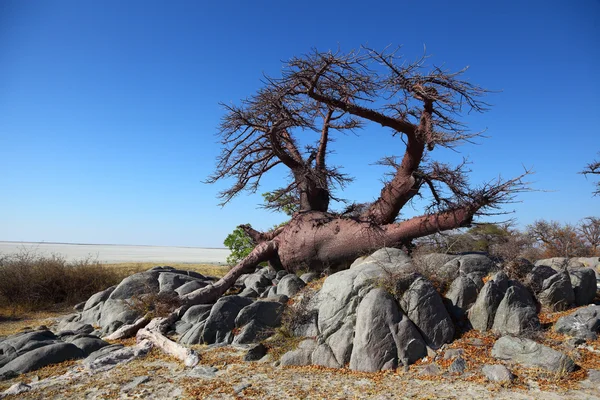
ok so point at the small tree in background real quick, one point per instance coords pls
(593, 168)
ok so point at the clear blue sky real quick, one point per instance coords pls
(109, 109)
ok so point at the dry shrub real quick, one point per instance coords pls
(155, 304)
(31, 281)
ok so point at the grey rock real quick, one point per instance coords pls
(290, 285)
(323, 356)
(202, 371)
(535, 279)
(300, 356)
(182, 327)
(135, 285)
(257, 282)
(461, 295)
(78, 328)
(221, 319)
(430, 370)
(135, 383)
(389, 255)
(255, 352)
(583, 323)
(102, 352)
(383, 334)
(483, 311)
(280, 298)
(253, 332)
(497, 373)
(249, 292)
(40, 357)
(193, 335)
(169, 281)
(531, 354)
(109, 357)
(281, 274)
(453, 353)
(557, 292)
(341, 342)
(197, 313)
(593, 379)
(79, 306)
(516, 313)
(237, 389)
(189, 287)
(458, 366)
(88, 344)
(98, 298)
(584, 285)
(16, 389)
(310, 276)
(29, 346)
(466, 264)
(425, 308)
(271, 292)
(264, 312)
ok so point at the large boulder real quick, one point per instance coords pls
(583, 323)
(267, 313)
(465, 264)
(557, 292)
(461, 295)
(221, 320)
(531, 354)
(383, 335)
(535, 279)
(300, 356)
(290, 285)
(482, 313)
(258, 282)
(171, 281)
(584, 285)
(42, 356)
(197, 313)
(516, 313)
(136, 285)
(424, 306)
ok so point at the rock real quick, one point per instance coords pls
(584, 285)
(221, 319)
(135, 285)
(323, 356)
(531, 354)
(482, 313)
(430, 370)
(383, 334)
(593, 379)
(135, 383)
(77, 328)
(257, 281)
(182, 327)
(16, 389)
(466, 264)
(255, 352)
(249, 292)
(40, 357)
(98, 298)
(389, 255)
(281, 274)
(88, 344)
(116, 311)
(300, 356)
(575, 262)
(290, 285)
(584, 323)
(108, 357)
(453, 353)
(202, 371)
(535, 279)
(425, 309)
(341, 342)
(79, 307)
(516, 313)
(101, 353)
(497, 373)
(557, 292)
(266, 313)
(253, 332)
(309, 277)
(458, 366)
(460, 296)
(169, 281)
(197, 313)
(237, 389)
(189, 287)
(193, 335)
(280, 298)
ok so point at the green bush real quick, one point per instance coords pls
(240, 245)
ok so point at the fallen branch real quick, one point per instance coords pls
(127, 331)
(153, 333)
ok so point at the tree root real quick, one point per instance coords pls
(152, 332)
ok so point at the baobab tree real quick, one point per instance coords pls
(324, 93)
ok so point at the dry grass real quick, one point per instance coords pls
(32, 282)
(11, 323)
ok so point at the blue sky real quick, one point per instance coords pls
(109, 110)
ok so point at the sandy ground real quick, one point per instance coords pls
(121, 254)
